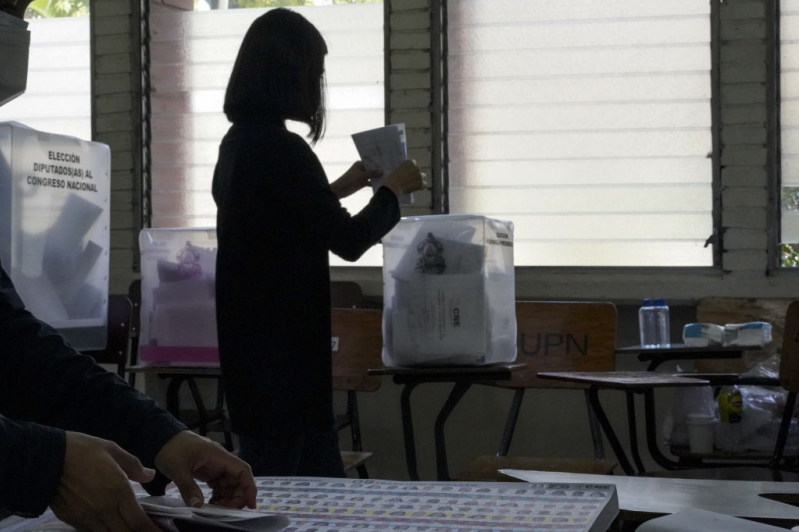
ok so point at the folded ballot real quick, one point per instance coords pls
(756, 333)
(385, 149)
(172, 515)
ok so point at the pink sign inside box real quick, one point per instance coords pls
(179, 356)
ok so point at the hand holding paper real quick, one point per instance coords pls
(385, 148)
(405, 179)
(354, 179)
(188, 456)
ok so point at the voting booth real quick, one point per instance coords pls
(54, 235)
(178, 301)
(449, 292)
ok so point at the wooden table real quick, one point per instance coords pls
(631, 382)
(462, 378)
(643, 498)
(658, 355)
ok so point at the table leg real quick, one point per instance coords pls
(407, 430)
(621, 456)
(633, 428)
(457, 393)
(173, 396)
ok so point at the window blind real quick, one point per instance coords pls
(58, 95)
(587, 124)
(192, 55)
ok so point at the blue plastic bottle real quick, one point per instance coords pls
(661, 323)
(646, 323)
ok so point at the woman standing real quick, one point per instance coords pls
(277, 220)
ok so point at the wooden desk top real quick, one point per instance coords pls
(201, 371)
(653, 496)
(448, 373)
(625, 379)
(685, 348)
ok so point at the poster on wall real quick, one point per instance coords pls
(54, 228)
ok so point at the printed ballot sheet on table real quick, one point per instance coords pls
(384, 148)
(328, 505)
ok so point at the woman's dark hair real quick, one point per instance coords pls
(279, 73)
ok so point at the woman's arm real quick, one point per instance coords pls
(354, 180)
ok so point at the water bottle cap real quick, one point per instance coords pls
(660, 303)
(647, 302)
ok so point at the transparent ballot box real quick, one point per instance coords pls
(54, 236)
(178, 302)
(448, 292)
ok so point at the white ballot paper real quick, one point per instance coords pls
(384, 148)
(172, 514)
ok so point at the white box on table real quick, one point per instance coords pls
(448, 291)
(54, 236)
(178, 308)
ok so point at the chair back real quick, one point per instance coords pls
(357, 346)
(116, 350)
(345, 294)
(134, 294)
(789, 360)
(563, 336)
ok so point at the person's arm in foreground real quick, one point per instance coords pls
(62, 396)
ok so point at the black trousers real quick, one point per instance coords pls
(310, 452)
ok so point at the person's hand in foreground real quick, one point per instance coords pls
(406, 178)
(16, 9)
(187, 456)
(94, 492)
(354, 180)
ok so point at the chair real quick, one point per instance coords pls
(201, 418)
(346, 294)
(774, 465)
(116, 349)
(357, 343)
(554, 336)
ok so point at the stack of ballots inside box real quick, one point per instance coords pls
(448, 291)
(178, 311)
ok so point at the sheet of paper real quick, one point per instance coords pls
(739, 498)
(384, 148)
(328, 505)
(705, 521)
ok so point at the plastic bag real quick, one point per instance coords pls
(761, 414)
(685, 401)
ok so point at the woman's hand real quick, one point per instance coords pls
(354, 180)
(406, 178)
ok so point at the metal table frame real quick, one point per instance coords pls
(462, 379)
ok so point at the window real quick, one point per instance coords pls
(789, 125)
(191, 57)
(58, 95)
(588, 124)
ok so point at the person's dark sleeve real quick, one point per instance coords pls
(346, 235)
(43, 380)
(351, 236)
(31, 461)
